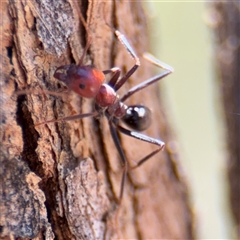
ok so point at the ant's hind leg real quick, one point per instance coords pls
(144, 138)
(123, 158)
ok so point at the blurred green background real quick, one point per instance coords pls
(181, 37)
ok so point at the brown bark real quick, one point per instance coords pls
(227, 20)
(63, 179)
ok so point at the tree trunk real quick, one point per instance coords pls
(228, 60)
(62, 180)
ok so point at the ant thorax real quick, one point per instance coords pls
(107, 98)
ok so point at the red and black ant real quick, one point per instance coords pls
(88, 82)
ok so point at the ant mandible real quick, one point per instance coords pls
(88, 82)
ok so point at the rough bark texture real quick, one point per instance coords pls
(62, 180)
(227, 20)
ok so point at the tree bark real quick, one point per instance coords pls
(62, 180)
(227, 30)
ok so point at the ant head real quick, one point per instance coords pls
(83, 80)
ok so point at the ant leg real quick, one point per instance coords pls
(60, 93)
(128, 47)
(70, 118)
(168, 69)
(122, 155)
(130, 50)
(31, 91)
(116, 73)
(144, 138)
(149, 57)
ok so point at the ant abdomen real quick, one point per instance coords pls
(137, 117)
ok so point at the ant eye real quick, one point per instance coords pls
(82, 86)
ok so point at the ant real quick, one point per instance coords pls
(88, 82)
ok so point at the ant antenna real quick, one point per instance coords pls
(89, 38)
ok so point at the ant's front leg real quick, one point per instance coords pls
(128, 47)
(167, 70)
(60, 93)
(116, 73)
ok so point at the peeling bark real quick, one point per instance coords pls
(68, 174)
